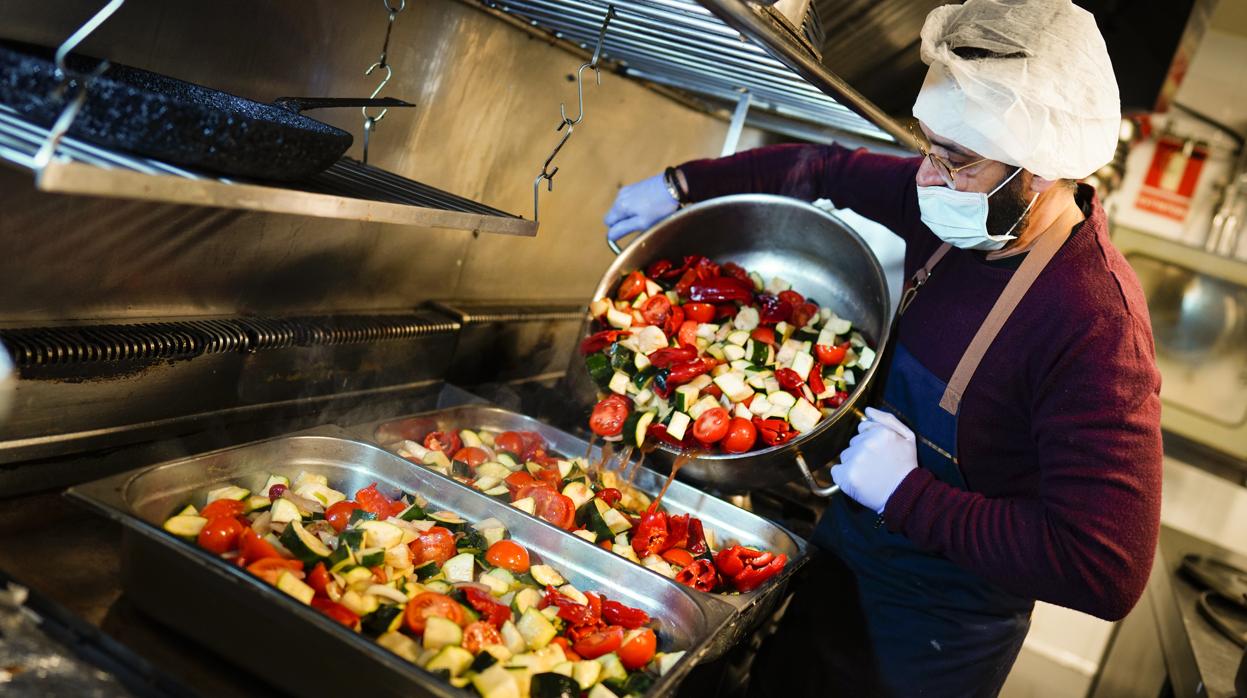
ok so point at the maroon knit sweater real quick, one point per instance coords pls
(1059, 431)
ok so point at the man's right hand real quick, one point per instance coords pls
(639, 206)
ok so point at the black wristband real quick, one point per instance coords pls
(673, 186)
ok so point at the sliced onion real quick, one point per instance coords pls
(473, 585)
(387, 592)
(303, 503)
(263, 523)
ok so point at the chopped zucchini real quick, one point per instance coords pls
(387, 618)
(586, 534)
(612, 668)
(305, 477)
(453, 659)
(511, 638)
(586, 673)
(599, 369)
(546, 575)
(494, 470)
(256, 502)
(668, 660)
(707, 402)
(470, 438)
(636, 427)
(677, 427)
(619, 383)
(380, 534)
(802, 363)
(536, 630)
(508, 461)
(449, 519)
(228, 492)
(359, 603)
(622, 359)
(304, 545)
(274, 480)
(733, 386)
(441, 632)
(527, 505)
(579, 493)
(401, 645)
(185, 526)
(496, 681)
(371, 557)
(804, 416)
(459, 568)
(550, 684)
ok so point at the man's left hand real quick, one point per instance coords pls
(877, 460)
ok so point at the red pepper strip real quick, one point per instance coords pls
(597, 342)
(651, 534)
(595, 603)
(687, 371)
(700, 575)
(610, 495)
(570, 611)
(663, 358)
(773, 431)
(817, 386)
(837, 399)
(746, 568)
(706, 269)
(657, 269)
(772, 310)
(696, 538)
(677, 531)
(491, 611)
(788, 378)
(735, 271)
(659, 431)
(616, 613)
(721, 290)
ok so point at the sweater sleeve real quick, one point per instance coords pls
(1088, 539)
(880, 187)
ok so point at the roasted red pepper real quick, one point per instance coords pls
(721, 290)
(681, 373)
(773, 431)
(616, 613)
(735, 271)
(746, 568)
(446, 442)
(491, 611)
(696, 538)
(837, 399)
(666, 357)
(610, 495)
(659, 431)
(802, 314)
(650, 537)
(659, 268)
(677, 531)
(788, 378)
(772, 310)
(817, 386)
(597, 342)
(700, 575)
(672, 326)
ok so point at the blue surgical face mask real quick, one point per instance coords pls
(960, 217)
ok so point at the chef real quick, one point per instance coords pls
(1016, 452)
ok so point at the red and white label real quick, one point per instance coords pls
(1171, 179)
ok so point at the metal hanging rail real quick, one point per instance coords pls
(701, 49)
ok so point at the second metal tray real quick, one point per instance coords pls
(731, 524)
(291, 644)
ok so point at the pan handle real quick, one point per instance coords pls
(300, 104)
(817, 489)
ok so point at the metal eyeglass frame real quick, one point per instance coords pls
(943, 168)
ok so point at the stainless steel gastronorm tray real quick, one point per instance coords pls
(294, 646)
(739, 612)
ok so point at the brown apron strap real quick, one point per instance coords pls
(1043, 252)
(920, 277)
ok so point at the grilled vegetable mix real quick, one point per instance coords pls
(703, 355)
(457, 598)
(596, 504)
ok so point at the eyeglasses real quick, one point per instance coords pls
(943, 168)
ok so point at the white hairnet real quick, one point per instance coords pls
(1053, 109)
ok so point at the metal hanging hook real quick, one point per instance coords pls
(67, 116)
(370, 121)
(547, 174)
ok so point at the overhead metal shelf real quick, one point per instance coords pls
(348, 190)
(716, 50)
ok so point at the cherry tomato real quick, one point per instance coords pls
(674, 321)
(687, 334)
(479, 634)
(339, 515)
(336, 611)
(837, 399)
(766, 335)
(434, 545)
(446, 442)
(222, 507)
(792, 298)
(831, 354)
(678, 557)
(318, 578)
(510, 442)
(369, 499)
(610, 495)
(741, 436)
(802, 313)
(609, 415)
(700, 312)
(656, 309)
(271, 568)
(508, 555)
(556, 508)
(429, 604)
(633, 285)
(517, 481)
(788, 378)
(471, 455)
(220, 535)
(253, 547)
(599, 643)
(711, 426)
(551, 476)
(636, 651)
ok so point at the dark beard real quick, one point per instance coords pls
(1006, 206)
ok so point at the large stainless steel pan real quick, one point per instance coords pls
(730, 524)
(823, 258)
(296, 647)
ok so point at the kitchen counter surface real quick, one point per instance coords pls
(1201, 661)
